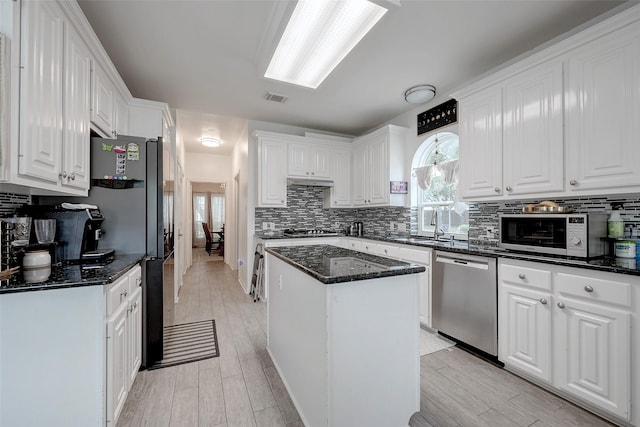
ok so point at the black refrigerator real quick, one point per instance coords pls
(127, 186)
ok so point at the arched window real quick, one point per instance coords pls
(435, 180)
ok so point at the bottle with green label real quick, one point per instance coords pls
(615, 225)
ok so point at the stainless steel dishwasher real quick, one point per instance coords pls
(465, 300)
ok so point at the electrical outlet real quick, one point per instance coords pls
(240, 262)
(392, 225)
(402, 227)
(265, 225)
(272, 226)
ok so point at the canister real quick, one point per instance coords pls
(625, 249)
(36, 266)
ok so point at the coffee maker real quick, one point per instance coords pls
(78, 232)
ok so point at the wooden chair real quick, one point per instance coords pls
(207, 235)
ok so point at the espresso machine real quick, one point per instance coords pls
(78, 232)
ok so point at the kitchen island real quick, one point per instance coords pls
(343, 333)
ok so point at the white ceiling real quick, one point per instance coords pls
(207, 58)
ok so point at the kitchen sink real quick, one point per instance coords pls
(429, 241)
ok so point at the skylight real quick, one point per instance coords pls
(318, 36)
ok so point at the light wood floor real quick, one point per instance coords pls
(242, 388)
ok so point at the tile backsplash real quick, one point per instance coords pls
(305, 210)
(483, 217)
(9, 202)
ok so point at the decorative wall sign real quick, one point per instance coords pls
(437, 117)
(399, 187)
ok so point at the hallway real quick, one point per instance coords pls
(239, 388)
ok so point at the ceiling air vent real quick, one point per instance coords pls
(276, 97)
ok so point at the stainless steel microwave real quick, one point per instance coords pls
(575, 235)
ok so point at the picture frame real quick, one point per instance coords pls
(398, 187)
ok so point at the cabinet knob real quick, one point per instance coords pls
(522, 276)
(543, 301)
(335, 201)
(73, 177)
(281, 201)
(497, 189)
(573, 182)
(313, 173)
(588, 288)
(509, 188)
(307, 173)
(64, 174)
(385, 251)
(561, 305)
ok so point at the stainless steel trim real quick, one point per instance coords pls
(313, 182)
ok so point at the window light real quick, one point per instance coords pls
(318, 36)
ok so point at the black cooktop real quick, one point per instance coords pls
(309, 232)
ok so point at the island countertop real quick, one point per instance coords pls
(331, 264)
(73, 275)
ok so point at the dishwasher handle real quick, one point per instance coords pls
(463, 262)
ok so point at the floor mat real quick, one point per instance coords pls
(188, 342)
(431, 342)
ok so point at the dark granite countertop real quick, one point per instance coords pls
(69, 276)
(606, 264)
(331, 264)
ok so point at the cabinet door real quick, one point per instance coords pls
(41, 91)
(341, 191)
(102, 99)
(117, 371)
(273, 170)
(378, 167)
(481, 144)
(321, 162)
(533, 134)
(134, 335)
(603, 82)
(298, 163)
(121, 117)
(360, 173)
(593, 354)
(524, 325)
(77, 108)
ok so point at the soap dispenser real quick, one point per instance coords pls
(615, 225)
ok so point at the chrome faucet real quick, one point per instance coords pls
(437, 232)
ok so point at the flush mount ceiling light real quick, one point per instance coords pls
(420, 94)
(318, 36)
(210, 142)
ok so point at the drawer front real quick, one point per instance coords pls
(135, 279)
(117, 294)
(525, 276)
(420, 256)
(600, 290)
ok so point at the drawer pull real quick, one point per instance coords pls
(522, 276)
(588, 288)
(497, 189)
(561, 305)
(543, 301)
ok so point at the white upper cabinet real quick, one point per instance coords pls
(75, 170)
(561, 123)
(378, 158)
(603, 111)
(272, 172)
(41, 87)
(54, 103)
(532, 122)
(102, 102)
(309, 161)
(121, 117)
(480, 156)
(340, 195)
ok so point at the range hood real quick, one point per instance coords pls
(313, 182)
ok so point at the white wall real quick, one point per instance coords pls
(242, 220)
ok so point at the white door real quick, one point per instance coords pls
(321, 162)
(481, 144)
(41, 91)
(134, 334)
(298, 163)
(77, 111)
(360, 172)
(341, 191)
(102, 99)
(273, 173)
(593, 354)
(603, 85)
(117, 371)
(533, 134)
(524, 325)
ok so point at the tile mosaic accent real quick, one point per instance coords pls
(9, 202)
(483, 217)
(305, 209)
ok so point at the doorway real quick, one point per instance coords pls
(208, 201)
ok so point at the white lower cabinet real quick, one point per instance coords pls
(574, 330)
(124, 340)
